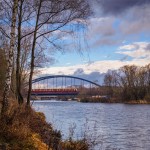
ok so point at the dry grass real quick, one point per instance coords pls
(19, 126)
(75, 145)
(24, 129)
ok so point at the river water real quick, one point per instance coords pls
(112, 126)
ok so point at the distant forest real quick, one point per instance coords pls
(129, 83)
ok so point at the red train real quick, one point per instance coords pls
(54, 92)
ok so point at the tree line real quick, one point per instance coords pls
(25, 26)
(129, 83)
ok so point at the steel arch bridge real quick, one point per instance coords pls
(61, 85)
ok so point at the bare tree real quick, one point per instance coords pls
(38, 21)
(51, 17)
(132, 82)
(111, 82)
(5, 103)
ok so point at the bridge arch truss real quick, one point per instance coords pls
(65, 76)
(65, 82)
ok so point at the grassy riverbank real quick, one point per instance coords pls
(112, 100)
(138, 102)
(23, 129)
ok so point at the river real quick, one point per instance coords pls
(112, 126)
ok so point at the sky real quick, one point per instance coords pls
(117, 34)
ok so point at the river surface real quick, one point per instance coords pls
(112, 126)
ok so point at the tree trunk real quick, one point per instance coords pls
(18, 73)
(32, 55)
(7, 85)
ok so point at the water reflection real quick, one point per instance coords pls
(119, 126)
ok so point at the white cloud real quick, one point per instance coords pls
(136, 50)
(98, 66)
(127, 47)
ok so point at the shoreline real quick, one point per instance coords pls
(99, 101)
(87, 100)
